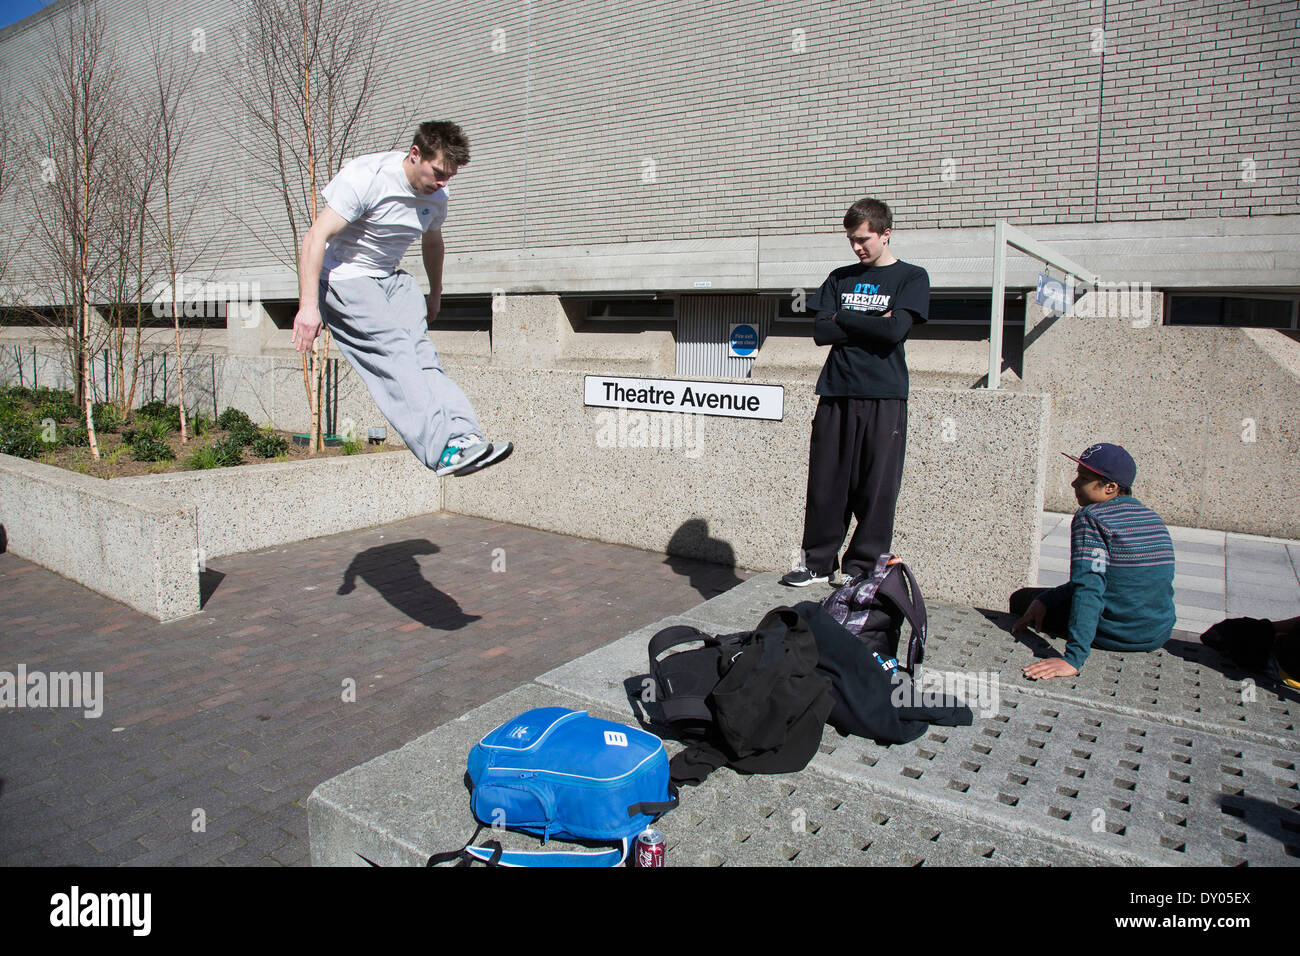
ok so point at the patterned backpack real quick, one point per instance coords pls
(873, 606)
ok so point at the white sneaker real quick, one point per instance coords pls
(462, 452)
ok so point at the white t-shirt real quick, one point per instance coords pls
(385, 215)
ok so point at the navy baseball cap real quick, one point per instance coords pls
(1109, 461)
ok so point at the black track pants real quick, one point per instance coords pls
(855, 468)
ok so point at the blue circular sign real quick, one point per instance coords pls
(744, 340)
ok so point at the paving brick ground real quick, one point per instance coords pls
(216, 728)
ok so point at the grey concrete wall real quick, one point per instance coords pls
(1209, 414)
(257, 506)
(732, 490)
(726, 490)
(120, 541)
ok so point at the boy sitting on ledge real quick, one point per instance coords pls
(1120, 596)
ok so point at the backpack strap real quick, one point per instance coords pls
(461, 856)
(652, 809)
(906, 596)
(491, 854)
(684, 706)
(675, 636)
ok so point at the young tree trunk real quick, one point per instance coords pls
(89, 397)
(176, 314)
(314, 388)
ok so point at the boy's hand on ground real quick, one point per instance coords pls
(1052, 667)
(434, 300)
(1033, 617)
(306, 326)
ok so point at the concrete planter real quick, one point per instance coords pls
(142, 540)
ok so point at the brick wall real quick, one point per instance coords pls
(596, 121)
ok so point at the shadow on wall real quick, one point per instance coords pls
(708, 563)
(391, 569)
(4, 540)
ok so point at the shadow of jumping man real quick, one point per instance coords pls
(713, 571)
(393, 571)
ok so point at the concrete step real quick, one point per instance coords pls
(1166, 758)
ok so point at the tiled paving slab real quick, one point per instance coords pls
(238, 711)
(1155, 758)
(402, 807)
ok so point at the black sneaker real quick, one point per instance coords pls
(801, 577)
(497, 451)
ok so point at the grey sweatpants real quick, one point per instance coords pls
(379, 325)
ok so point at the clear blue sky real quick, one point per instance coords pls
(11, 11)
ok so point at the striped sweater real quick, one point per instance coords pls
(1121, 587)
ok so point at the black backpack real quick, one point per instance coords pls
(752, 701)
(873, 605)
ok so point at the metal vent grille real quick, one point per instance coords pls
(703, 323)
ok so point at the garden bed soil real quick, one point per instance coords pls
(115, 459)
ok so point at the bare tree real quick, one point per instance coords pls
(75, 115)
(129, 267)
(7, 143)
(312, 72)
(172, 83)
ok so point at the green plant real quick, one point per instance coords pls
(200, 424)
(158, 411)
(47, 394)
(148, 448)
(268, 446)
(14, 415)
(59, 411)
(146, 429)
(107, 417)
(22, 441)
(202, 459)
(245, 433)
(231, 418)
(351, 446)
(73, 436)
(18, 393)
(229, 452)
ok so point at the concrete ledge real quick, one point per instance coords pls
(400, 808)
(1102, 769)
(257, 506)
(118, 540)
(142, 540)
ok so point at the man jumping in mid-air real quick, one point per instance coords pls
(347, 273)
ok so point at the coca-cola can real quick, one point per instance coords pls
(650, 848)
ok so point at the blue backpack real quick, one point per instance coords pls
(554, 772)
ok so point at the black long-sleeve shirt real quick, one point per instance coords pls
(867, 359)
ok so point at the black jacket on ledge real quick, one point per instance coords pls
(864, 689)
